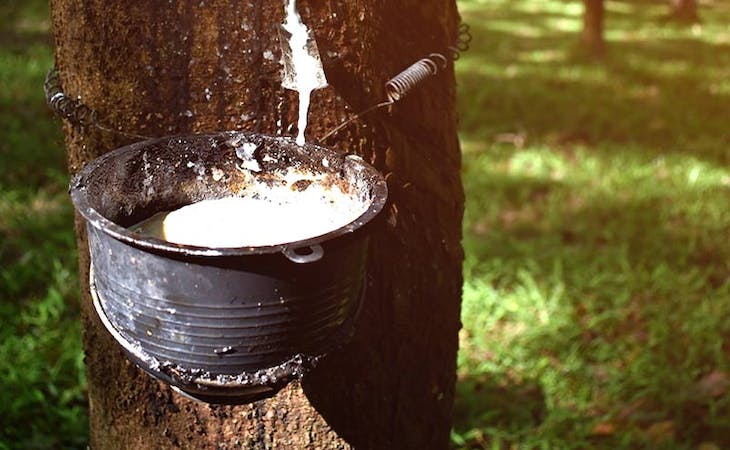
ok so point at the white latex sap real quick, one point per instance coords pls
(285, 216)
(305, 65)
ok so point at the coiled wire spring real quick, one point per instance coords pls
(400, 85)
(64, 106)
(73, 110)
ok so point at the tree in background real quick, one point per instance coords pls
(183, 66)
(592, 35)
(684, 10)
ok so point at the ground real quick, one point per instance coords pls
(596, 301)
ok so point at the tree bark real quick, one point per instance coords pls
(684, 10)
(176, 67)
(592, 36)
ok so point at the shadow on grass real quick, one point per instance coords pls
(508, 406)
(639, 323)
(18, 41)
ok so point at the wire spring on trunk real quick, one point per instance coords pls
(400, 85)
(73, 110)
(64, 106)
(81, 116)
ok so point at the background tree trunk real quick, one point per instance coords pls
(684, 10)
(592, 36)
(174, 67)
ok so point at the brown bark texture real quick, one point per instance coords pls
(592, 35)
(177, 67)
(684, 10)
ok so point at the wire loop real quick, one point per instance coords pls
(400, 85)
(73, 110)
(64, 106)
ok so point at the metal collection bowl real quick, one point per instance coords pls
(222, 325)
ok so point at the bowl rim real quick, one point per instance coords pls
(95, 219)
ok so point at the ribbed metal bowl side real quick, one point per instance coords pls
(221, 318)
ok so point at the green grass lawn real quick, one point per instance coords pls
(596, 310)
(596, 300)
(41, 366)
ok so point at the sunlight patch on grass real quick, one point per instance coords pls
(721, 88)
(542, 56)
(555, 7)
(641, 9)
(523, 30)
(564, 24)
(481, 67)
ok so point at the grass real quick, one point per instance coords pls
(597, 269)
(597, 272)
(41, 366)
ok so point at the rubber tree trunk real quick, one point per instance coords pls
(174, 67)
(684, 10)
(592, 35)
